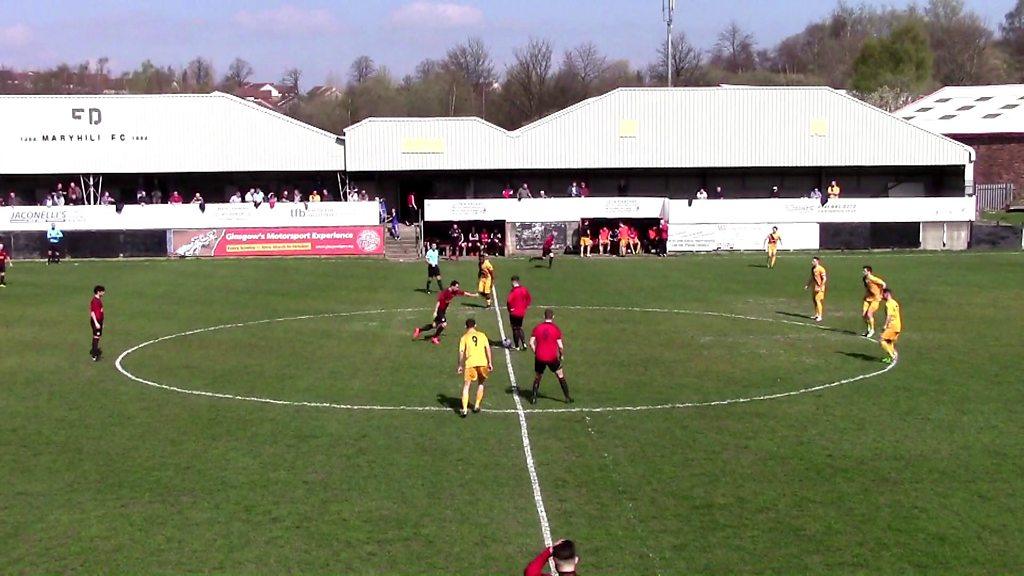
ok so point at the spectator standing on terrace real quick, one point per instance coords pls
(815, 195)
(258, 197)
(73, 197)
(524, 192)
(702, 194)
(197, 199)
(105, 199)
(236, 198)
(285, 197)
(412, 209)
(507, 191)
(622, 188)
(394, 224)
(12, 199)
(272, 200)
(250, 196)
(325, 196)
(584, 190)
(719, 193)
(775, 192)
(141, 197)
(175, 198)
(58, 192)
(296, 196)
(543, 194)
(573, 191)
(382, 209)
(314, 196)
(48, 201)
(158, 196)
(364, 196)
(834, 191)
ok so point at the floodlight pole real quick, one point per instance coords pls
(668, 9)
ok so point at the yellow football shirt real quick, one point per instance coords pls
(893, 320)
(473, 347)
(486, 270)
(820, 277)
(774, 238)
(873, 286)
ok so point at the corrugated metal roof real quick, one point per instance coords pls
(662, 128)
(964, 110)
(157, 134)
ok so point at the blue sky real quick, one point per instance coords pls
(323, 36)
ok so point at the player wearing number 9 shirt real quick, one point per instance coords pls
(474, 363)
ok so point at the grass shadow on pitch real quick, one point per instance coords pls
(473, 305)
(525, 394)
(757, 265)
(790, 314)
(421, 290)
(449, 402)
(860, 356)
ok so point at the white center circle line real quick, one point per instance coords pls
(119, 365)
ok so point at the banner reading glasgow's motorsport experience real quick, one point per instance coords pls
(237, 242)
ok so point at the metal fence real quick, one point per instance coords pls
(993, 196)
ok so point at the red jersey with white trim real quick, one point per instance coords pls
(519, 299)
(547, 335)
(549, 242)
(96, 308)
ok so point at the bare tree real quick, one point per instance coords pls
(101, 65)
(584, 64)
(198, 74)
(961, 42)
(527, 80)
(687, 63)
(292, 77)
(472, 61)
(734, 50)
(239, 72)
(361, 70)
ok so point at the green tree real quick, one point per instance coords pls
(1012, 30)
(902, 60)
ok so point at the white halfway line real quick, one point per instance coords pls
(119, 365)
(545, 528)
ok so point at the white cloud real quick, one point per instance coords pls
(436, 15)
(287, 19)
(16, 36)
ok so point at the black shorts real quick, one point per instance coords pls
(547, 252)
(516, 321)
(440, 318)
(96, 332)
(3, 266)
(539, 366)
(433, 271)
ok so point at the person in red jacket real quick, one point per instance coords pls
(564, 553)
(518, 302)
(664, 238)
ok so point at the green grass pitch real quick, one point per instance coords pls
(919, 469)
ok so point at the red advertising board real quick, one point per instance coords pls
(237, 242)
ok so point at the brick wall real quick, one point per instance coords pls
(1000, 159)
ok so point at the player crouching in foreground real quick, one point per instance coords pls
(546, 343)
(564, 553)
(444, 299)
(475, 363)
(893, 326)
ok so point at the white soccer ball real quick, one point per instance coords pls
(506, 343)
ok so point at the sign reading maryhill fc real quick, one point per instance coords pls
(81, 117)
